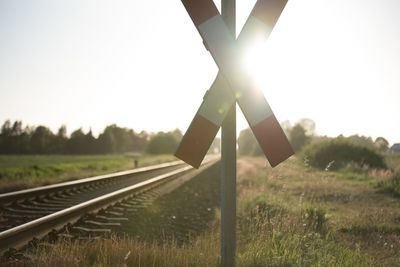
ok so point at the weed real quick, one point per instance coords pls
(391, 185)
(287, 216)
(315, 217)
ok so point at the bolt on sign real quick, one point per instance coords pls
(233, 83)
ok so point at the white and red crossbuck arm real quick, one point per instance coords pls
(220, 97)
(233, 84)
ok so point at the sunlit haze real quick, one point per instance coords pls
(143, 65)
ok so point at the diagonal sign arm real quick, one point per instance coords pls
(211, 113)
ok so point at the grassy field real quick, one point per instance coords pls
(19, 172)
(291, 215)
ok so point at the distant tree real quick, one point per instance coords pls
(41, 140)
(286, 126)
(248, 144)
(177, 133)
(163, 143)
(19, 142)
(81, 143)
(61, 140)
(76, 143)
(140, 141)
(16, 128)
(24, 141)
(361, 140)
(90, 143)
(6, 128)
(308, 125)
(62, 132)
(381, 143)
(11, 140)
(14, 139)
(298, 137)
(120, 137)
(5, 146)
(107, 142)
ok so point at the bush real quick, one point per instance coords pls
(391, 185)
(338, 153)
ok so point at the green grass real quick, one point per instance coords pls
(204, 251)
(286, 216)
(391, 185)
(18, 172)
(281, 241)
(13, 161)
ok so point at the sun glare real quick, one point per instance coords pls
(254, 61)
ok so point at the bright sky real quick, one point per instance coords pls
(142, 65)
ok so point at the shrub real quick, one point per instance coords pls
(337, 153)
(261, 208)
(391, 185)
(315, 216)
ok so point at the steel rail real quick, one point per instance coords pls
(18, 236)
(21, 195)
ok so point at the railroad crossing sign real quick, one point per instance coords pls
(232, 83)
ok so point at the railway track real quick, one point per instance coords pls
(31, 214)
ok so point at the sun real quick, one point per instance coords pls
(254, 63)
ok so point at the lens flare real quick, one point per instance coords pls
(254, 61)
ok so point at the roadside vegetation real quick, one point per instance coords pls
(338, 153)
(335, 203)
(291, 215)
(391, 185)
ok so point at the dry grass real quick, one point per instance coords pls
(358, 217)
(287, 216)
(127, 252)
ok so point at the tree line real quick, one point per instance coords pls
(300, 135)
(16, 139)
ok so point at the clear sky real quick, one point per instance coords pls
(142, 65)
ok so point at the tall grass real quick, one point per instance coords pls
(273, 235)
(276, 226)
(204, 251)
(391, 185)
(268, 235)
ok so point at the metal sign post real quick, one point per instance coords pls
(228, 161)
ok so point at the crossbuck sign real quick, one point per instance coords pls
(233, 83)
